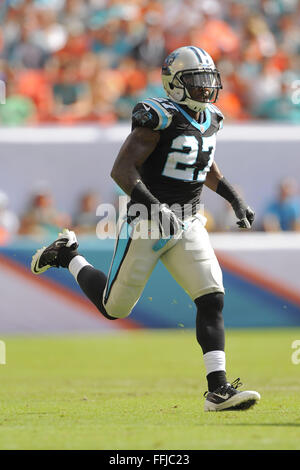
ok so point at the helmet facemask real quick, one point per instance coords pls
(197, 87)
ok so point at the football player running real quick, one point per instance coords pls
(163, 165)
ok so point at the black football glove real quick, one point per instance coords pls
(168, 223)
(244, 213)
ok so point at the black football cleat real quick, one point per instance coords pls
(227, 397)
(46, 257)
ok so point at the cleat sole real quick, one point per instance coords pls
(241, 401)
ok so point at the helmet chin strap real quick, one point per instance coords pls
(186, 100)
(195, 105)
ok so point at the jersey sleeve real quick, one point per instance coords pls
(218, 116)
(150, 113)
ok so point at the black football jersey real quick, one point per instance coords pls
(177, 168)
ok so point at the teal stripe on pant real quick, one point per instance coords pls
(121, 249)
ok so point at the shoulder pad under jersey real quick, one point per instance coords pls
(154, 113)
(217, 114)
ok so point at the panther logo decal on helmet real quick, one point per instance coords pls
(169, 61)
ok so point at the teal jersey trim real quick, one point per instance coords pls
(201, 127)
(163, 116)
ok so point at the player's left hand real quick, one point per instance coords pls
(247, 221)
(245, 215)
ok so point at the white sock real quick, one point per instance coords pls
(214, 360)
(76, 265)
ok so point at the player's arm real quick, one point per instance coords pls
(218, 183)
(144, 137)
(213, 177)
(133, 153)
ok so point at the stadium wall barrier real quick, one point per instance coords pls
(72, 160)
(261, 278)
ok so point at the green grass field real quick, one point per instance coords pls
(144, 390)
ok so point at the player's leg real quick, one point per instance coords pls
(131, 267)
(94, 283)
(63, 253)
(193, 264)
(116, 294)
(211, 337)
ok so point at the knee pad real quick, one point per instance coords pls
(210, 304)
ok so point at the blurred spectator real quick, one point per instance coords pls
(151, 51)
(135, 81)
(288, 33)
(107, 86)
(24, 53)
(284, 212)
(17, 109)
(173, 16)
(71, 96)
(111, 41)
(33, 84)
(86, 220)
(50, 35)
(230, 102)
(214, 35)
(42, 219)
(9, 222)
(154, 85)
(74, 15)
(259, 41)
(281, 107)
(265, 86)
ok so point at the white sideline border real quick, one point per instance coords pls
(256, 241)
(253, 132)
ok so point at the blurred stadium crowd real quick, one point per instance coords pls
(69, 61)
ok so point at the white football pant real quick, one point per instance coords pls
(190, 260)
